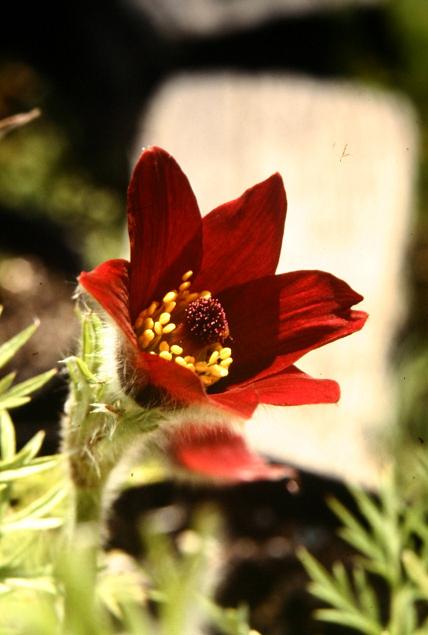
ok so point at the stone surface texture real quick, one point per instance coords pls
(347, 155)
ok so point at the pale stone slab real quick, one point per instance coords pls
(347, 155)
(205, 17)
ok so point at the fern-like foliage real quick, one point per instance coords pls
(391, 542)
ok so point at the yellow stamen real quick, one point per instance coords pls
(218, 371)
(146, 338)
(171, 296)
(213, 357)
(164, 318)
(148, 323)
(225, 352)
(152, 308)
(158, 335)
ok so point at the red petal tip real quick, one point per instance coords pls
(217, 452)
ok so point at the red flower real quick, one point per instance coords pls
(218, 451)
(204, 317)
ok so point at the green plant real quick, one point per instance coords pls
(385, 592)
(54, 576)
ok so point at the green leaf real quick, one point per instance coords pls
(82, 367)
(353, 620)
(36, 584)
(7, 437)
(27, 387)
(366, 595)
(354, 533)
(36, 466)
(92, 329)
(6, 382)
(7, 403)
(29, 450)
(41, 506)
(416, 570)
(9, 348)
(403, 619)
(336, 592)
(32, 524)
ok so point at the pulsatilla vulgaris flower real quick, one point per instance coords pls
(203, 316)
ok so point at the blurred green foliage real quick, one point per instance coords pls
(384, 591)
(36, 179)
(57, 581)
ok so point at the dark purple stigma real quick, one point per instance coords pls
(206, 320)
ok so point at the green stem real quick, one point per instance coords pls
(87, 505)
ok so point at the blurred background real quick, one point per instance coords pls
(334, 95)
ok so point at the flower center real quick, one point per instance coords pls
(189, 329)
(206, 320)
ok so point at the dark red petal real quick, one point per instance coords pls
(216, 451)
(180, 384)
(292, 387)
(285, 387)
(165, 228)
(108, 285)
(286, 316)
(242, 239)
(241, 401)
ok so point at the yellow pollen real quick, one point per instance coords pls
(148, 323)
(218, 371)
(170, 296)
(164, 318)
(146, 338)
(213, 357)
(161, 330)
(152, 308)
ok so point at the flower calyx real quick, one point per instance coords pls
(188, 328)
